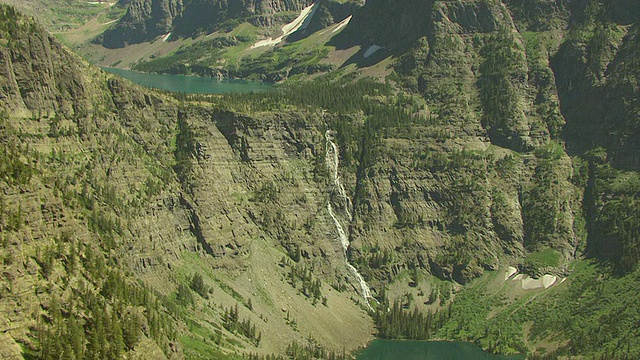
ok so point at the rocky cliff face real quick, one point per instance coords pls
(144, 20)
(33, 83)
(445, 187)
(507, 75)
(596, 70)
(147, 19)
(403, 21)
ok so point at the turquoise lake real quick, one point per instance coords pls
(190, 84)
(428, 350)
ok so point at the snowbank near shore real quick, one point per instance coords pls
(529, 283)
(544, 282)
(510, 271)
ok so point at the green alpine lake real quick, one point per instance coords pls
(190, 84)
(428, 350)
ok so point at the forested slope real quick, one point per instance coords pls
(136, 225)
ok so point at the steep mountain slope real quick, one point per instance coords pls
(144, 20)
(105, 185)
(485, 84)
(468, 185)
(505, 87)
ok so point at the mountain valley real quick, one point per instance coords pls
(486, 179)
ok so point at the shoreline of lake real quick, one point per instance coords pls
(385, 349)
(190, 84)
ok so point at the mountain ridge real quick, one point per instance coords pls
(148, 19)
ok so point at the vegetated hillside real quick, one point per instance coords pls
(73, 22)
(134, 224)
(61, 16)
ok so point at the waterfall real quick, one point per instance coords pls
(333, 163)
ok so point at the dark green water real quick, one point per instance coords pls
(190, 84)
(428, 350)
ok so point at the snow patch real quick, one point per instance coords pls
(531, 283)
(372, 50)
(544, 282)
(509, 273)
(342, 24)
(548, 280)
(101, 3)
(166, 37)
(267, 42)
(301, 22)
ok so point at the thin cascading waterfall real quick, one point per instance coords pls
(366, 292)
(333, 163)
